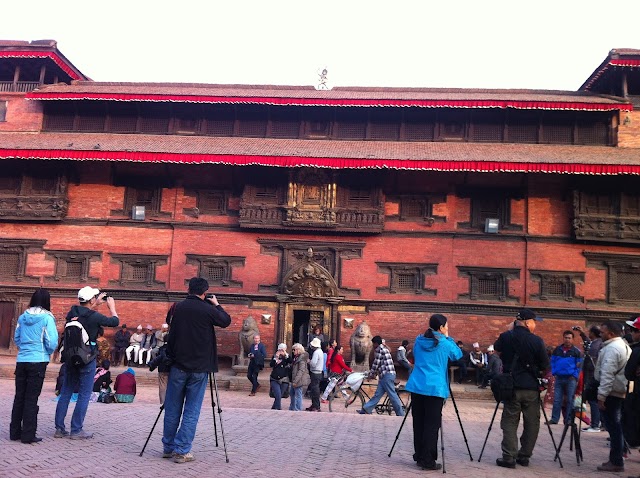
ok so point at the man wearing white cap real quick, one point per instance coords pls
(134, 345)
(82, 376)
(493, 368)
(147, 345)
(478, 360)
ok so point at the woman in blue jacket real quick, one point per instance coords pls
(36, 338)
(429, 386)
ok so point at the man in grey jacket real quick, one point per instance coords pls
(613, 387)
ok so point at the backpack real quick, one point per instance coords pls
(76, 347)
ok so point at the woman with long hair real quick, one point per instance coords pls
(36, 338)
(429, 387)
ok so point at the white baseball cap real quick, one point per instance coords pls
(282, 347)
(87, 293)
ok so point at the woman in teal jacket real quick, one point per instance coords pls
(429, 386)
(36, 338)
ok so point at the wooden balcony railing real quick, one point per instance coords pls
(20, 87)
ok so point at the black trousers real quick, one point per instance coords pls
(427, 420)
(24, 416)
(252, 375)
(314, 389)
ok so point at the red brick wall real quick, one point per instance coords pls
(21, 115)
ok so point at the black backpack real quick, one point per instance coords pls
(76, 347)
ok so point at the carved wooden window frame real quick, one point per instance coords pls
(225, 264)
(425, 203)
(615, 264)
(397, 271)
(503, 197)
(566, 280)
(500, 276)
(21, 248)
(129, 262)
(62, 260)
(214, 195)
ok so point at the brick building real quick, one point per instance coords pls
(330, 207)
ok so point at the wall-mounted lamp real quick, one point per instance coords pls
(266, 319)
(492, 225)
(137, 213)
(348, 323)
(627, 120)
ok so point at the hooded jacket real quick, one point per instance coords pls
(36, 336)
(612, 359)
(429, 376)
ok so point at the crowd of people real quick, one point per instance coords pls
(601, 369)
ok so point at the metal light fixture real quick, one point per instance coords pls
(492, 225)
(137, 213)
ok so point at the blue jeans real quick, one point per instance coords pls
(296, 399)
(385, 384)
(276, 390)
(613, 419)
(595, 414)
(565, 386)
(185, 392)
(82, 377)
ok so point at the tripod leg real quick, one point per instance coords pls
(553, 440)
(444, 468)
(406, 414)
(152, 428)
(564, 434)
(488, 431)
(224, 443)
(455, 407)
(213, 408)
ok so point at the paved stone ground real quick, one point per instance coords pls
(264, 442)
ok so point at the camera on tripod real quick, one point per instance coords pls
(161, 359)
(543, 384)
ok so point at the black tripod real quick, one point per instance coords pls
(212, 384)
(570, 424)
(544, 414)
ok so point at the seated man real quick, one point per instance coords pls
(125, 386)
(461, 363)
(478, 360)
(121, 342)
(160, 336)
(147, 344)
(134, 345)
(493, 368)
(401, 356)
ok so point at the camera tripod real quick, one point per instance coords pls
(544, 413)
(570, 425)
(453, 400)
(212, 384)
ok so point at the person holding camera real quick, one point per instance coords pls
(591, 345)
(192, 347)
(82, 376)
(523, 355)
(429, 387)
(256, 355)
(279, 379)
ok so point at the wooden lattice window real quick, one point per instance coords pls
(557, 128)
(154, 118)
(123, 117)
(59, 116)
(138, 270)
(489, 204)
(420, 208)
(351, 123)
(252, 121)
(407, 278)
(385, 124)
(317, 122)
(488, 283)
(220, 120)
(623, 276)
(592, 133)
(43, 185)
(13, 259)
(523, 127)
(487, 126)
(218, 270)
(555, 285)
(452, 125)
(73, 266)
(359, 198)
(285, 122)
(91, 116)
(10, 184)
(138, 196)
(628, 285)
(419, 125)
(9, 265)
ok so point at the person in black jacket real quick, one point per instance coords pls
(631, 406)
(191, 345)
(524, 355)
(120, 344)
(279, 378)
(493, 368)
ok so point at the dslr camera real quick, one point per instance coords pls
(162, 358)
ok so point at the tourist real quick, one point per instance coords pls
(566, 362)
(383, 368)
(279, 379)
(36, 338)
(299, 376)
(315, 370)
(257, 354)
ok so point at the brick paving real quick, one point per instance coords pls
(265, 442)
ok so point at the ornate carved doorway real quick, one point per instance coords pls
(309, 298)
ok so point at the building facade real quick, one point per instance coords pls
(328, 207)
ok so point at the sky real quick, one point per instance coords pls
(544, 44)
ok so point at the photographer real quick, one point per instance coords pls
(591, 345)
(279, 379)
(192, 346)
(523, 355)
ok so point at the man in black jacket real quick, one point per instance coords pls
(192, 347)
(121, 342)
(524, 355)
(631, 406)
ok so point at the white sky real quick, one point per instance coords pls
(542, 44)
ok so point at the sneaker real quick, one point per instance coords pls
(505, 464)
(591, 430)
(608, 466)
(434, 466)
(551, 422)
(60, 433)
(168, 454)
(180, 458)
(362, 412)
(81, 435)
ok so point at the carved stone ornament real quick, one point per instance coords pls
(361, 346)
(245, 337)
(310, 280)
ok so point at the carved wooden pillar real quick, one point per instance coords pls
(16, 77)
(43, 71)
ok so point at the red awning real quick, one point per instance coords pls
(330, 163)
(42, 54)
(532, 105)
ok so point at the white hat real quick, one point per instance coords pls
(490, 348)
(315, 343)
(282, 346)
(165, 326)
(87, 293)
(139, 327)
(476, 344)
(149, 327)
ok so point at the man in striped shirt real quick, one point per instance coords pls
(383, 367)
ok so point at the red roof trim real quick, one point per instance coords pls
(632, 63)
(330, 163)
(618, 63)
(546, 105)
(43, 54)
